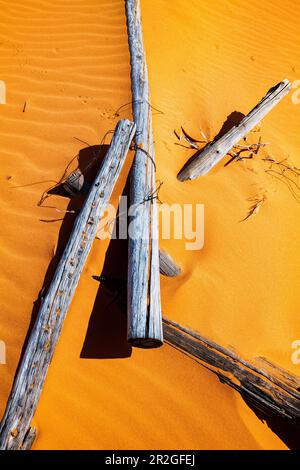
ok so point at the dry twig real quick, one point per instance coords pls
(257, 202)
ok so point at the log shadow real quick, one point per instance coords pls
(106, 336)
(284, 428)
(288, 432)
(233, 119)
(85, 157)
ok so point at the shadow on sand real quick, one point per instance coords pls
(106, 335)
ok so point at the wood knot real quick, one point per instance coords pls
(14, 433)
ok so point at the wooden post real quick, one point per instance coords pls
(144, 307)
(217, 149)
(268, 387)
(31, 375)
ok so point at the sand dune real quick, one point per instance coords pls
(69, 62)
(223, 63)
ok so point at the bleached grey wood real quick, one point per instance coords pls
(144, 306)
(217, 149)
(31, 375)
(167, 265)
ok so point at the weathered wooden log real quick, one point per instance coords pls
(31, 375)
(217, 149)
(167, 265)
(144, 306)
(269, 388)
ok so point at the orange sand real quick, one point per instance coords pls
(69, 61)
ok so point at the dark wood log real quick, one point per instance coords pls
(29, 439)
(144, 306)
(32, 372)
(269, 388)
(217, 149)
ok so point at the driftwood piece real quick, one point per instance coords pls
(144, 306)
(269, 388)
(31, 375)
(212, 153)
(167, 265)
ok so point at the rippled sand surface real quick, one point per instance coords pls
(69, 62)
